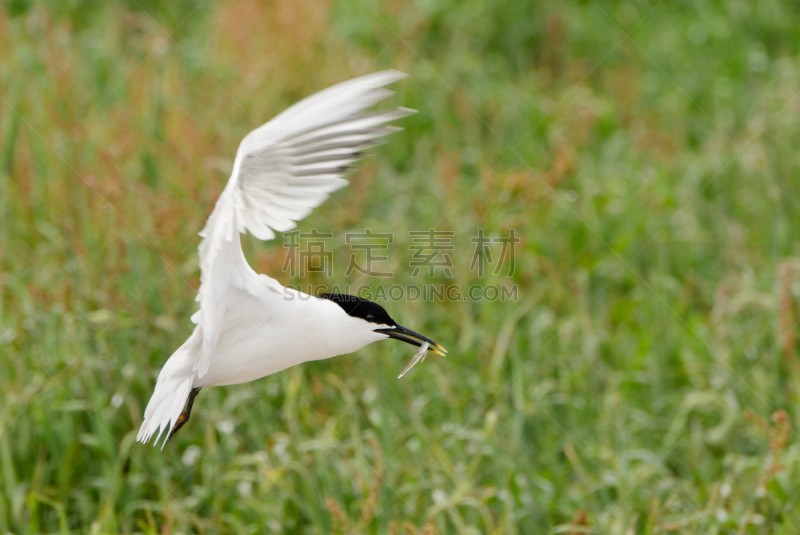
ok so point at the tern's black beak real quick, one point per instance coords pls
(398, 332)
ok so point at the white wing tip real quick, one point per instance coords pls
(395, 75)
(380, 78)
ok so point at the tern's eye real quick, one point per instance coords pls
(370, 317)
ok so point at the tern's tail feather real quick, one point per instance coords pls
(172, 390)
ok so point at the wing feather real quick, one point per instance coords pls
(283, 170)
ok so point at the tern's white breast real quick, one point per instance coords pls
(295, 329)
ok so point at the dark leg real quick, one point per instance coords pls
(184, 417)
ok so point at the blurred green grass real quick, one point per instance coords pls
(645, 152)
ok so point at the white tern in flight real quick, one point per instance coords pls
(249, 325)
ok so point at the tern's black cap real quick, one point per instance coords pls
(358, 307)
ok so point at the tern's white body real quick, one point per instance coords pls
(248, 325)
(265, 340)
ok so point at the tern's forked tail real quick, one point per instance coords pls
(164, 409)
(174, 384)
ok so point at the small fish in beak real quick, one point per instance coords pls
(420, 355)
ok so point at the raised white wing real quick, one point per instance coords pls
(282, 171)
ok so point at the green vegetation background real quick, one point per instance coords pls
(646, 381)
